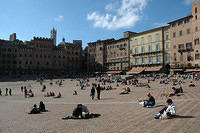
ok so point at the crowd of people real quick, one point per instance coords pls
(81, 111)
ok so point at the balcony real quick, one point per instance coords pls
(147, 65)
(147, 53)
(188, 49)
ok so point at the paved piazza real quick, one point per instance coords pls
(119, 113)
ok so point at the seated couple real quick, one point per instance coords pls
(148, 103)
(168, 111)
(36, 110)
(58, 96)
(49, 94)
(176, 91)
(125, 90)
(81, 112)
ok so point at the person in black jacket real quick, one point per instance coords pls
(10, 92)
(6, 91)
(92, 93)
(42, 107)
(98, 91)
(77, 112)
(34, 110)
(150, 102)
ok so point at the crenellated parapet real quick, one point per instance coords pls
(42, 39)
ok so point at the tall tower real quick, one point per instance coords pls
(13, 37)
(53, 36)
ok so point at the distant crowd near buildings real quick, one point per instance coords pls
(174, 47)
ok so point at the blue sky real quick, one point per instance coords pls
(87, 20)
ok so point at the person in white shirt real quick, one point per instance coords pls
(85, 111)
(168, 111)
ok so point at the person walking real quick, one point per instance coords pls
(92, 92)
(22, 88)
(25, 93)
(10, 92)
(98, 91)
(6, 91)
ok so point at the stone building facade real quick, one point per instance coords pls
(96, 55)
(117, 55)
(185, 34)
(196, 32)
(39, 55)
(109, 55)
(150, 48)
(181, 42)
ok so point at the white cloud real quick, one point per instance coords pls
(188, 2)
(59, 18)
(159, 24)
(109, 7)
(126, 15)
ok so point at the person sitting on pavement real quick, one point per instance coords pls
(81, 112)
(148, 103)
(31, 94)
(192, 84)
(85, 111)
(44, 88)
(77, 113)
(47, 95)
(168, 111)
(124, 91)
(75, 93)
(42, 107)
(34, 110)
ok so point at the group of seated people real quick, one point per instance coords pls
(125, 91)
(29, 93)
(37, 110)
(148, 103)
(176, 92)
(58, 96)
(168, 111)
(164, 82)
(52, 94)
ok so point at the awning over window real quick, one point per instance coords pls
(136, 70)
(113, 72)
(177, 70)
(192, 70)
(153, 69)
(97, 72)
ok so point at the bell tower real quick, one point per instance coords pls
(53, 36)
